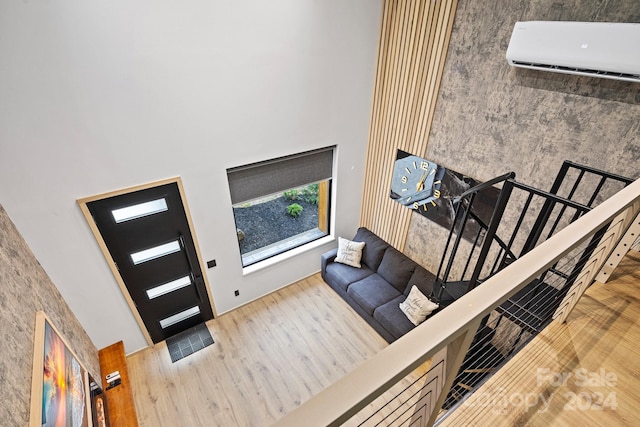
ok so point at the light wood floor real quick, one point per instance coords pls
(597, 350)
(268, 357)
(273, 354)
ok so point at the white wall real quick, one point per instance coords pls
(101, 95)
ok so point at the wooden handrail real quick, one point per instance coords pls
(349, 395)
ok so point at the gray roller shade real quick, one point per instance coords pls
(260, 179)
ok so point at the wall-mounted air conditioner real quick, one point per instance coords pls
(596, 49)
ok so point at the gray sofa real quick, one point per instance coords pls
(376, 289)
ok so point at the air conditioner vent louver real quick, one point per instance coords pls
(596, 49)
(579, 71)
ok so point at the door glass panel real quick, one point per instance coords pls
(169, 287)
(140, 210)
(183, 315)
(155, 252)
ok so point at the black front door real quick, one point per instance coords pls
(148, 236)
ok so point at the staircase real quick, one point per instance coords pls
(476, 249)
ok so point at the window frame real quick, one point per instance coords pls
(325, 211)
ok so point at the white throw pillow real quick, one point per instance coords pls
(417, 306)
(349, 252)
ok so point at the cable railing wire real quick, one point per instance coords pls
(539, 293)
(529, 310)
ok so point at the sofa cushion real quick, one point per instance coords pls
(392, 318)
(417, 307)
(349, 252)
(372, 292)
(423, 280)
(396, 268)
(373, 249)
(341, 275)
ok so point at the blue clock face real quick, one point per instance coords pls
(416, 182)
(431, 190)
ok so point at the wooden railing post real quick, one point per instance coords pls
(454, 356)
(431, 390)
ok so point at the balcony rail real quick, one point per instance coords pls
(410, 381)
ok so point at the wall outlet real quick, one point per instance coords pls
(237, 292)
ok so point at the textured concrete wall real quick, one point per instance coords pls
(25, 289)
(491, 119)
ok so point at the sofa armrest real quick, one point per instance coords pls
(326, 258)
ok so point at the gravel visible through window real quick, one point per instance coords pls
(268, 222)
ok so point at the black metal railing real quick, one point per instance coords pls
(467, 342)
(473, 254)
(579, 183)
(534, 216)
(515, 322)
(450, 288)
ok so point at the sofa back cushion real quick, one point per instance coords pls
(423, 280)
(396, 268)
(373, 249)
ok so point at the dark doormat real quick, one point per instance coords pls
(189, 341)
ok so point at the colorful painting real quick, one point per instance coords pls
(60, 383)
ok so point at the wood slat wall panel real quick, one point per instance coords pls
(414, 35)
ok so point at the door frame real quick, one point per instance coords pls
(112, 265)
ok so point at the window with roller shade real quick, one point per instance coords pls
(263, 196)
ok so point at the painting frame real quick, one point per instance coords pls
(60, 382)
(453, 185)
(99, 409)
